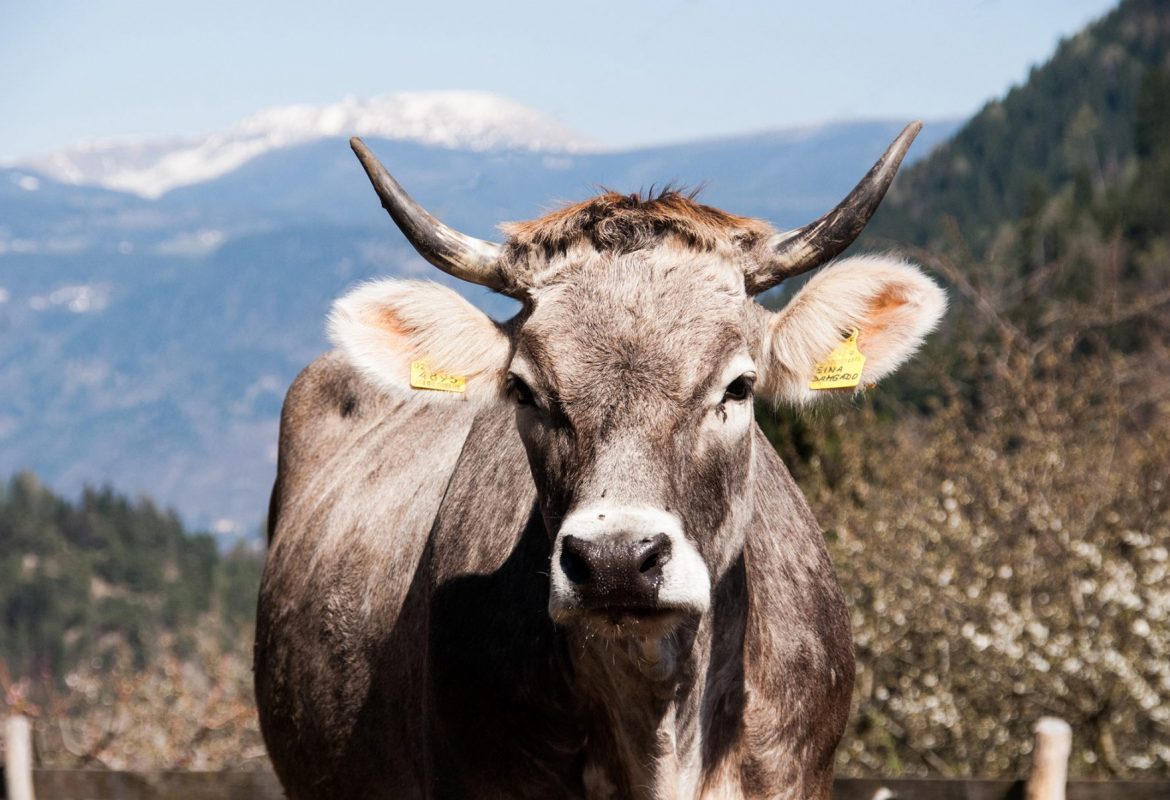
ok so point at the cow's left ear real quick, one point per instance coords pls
(401, 334)
(889, 302)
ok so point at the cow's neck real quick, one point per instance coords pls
(656, 709)
(642, 699)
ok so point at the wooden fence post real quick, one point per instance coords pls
(18, 758)
(1050, 759)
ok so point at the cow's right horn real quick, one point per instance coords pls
(451, 251)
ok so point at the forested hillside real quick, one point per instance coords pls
(1086, 128)
(81, 580)
(125, 636)
(1049, 209)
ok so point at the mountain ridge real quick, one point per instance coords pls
(150, 167)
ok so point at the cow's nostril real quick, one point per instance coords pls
(649, 557)
(573, 564)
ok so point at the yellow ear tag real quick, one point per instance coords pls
(842, 369)
(422, 377)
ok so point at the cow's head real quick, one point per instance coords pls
(633, 367)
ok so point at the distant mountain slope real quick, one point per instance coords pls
(151, 167)
(150, 342)
(1072, 121)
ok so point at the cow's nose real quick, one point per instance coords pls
(614, 570)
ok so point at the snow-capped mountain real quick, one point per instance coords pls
(455, 119)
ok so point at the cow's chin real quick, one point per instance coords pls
(626, 622)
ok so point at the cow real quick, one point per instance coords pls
(555, 557)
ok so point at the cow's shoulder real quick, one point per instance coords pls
(328, 397)
(346, 437)
(318, 410)
(360, 477)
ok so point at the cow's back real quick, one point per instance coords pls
(340, 634)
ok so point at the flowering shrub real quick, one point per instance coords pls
(184, 710)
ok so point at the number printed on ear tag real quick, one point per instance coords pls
(842, 368)
(423, 377)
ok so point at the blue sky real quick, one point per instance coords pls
(620, 72)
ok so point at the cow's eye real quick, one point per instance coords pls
(739, 389)
(518, 391)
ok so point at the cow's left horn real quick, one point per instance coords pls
(451, 251)
(794, 252)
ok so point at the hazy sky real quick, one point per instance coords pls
(620, 72)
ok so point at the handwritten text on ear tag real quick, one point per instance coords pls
(842, 368)
(422, 377)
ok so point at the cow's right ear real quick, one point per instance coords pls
(384, 328)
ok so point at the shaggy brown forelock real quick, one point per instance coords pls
(623, 223)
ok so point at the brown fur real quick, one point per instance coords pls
(622, 223)
(884, 306)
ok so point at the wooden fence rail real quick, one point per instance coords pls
(262, 785)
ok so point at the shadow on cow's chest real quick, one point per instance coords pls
(517, 701)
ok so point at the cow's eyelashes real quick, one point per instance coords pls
(519, 391)
(739, 389)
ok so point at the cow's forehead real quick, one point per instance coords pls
(539, 251)
(665, 316)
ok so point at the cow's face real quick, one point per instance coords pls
(633, 377)
(633, 367)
